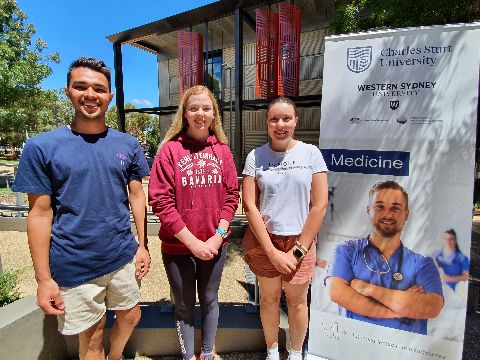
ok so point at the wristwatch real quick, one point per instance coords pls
(299, 251)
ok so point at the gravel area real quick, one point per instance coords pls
(15, 255)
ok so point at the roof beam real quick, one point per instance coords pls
(120, 99)
(250, 21)
(148, 46)
(183, 20)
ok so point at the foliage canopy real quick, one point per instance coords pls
(143, 126)
(23, 65)
(357, 15)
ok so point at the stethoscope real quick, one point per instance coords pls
(397, 275)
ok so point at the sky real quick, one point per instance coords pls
(79, 28)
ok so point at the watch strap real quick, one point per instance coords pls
(298, 252)
(301, 246)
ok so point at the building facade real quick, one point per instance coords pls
(228, 29)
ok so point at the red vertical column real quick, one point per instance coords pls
(266, 54)
(190, 60)
(290, 24)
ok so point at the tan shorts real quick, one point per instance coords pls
(86, 304)
(261, 265)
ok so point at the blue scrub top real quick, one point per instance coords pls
(453, 265)
(348, 263)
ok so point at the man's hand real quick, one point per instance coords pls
(49, 298)
(416, 289)
(360, 286)
(142, 262)
(412, 303)
(349, 296)
(285, 263)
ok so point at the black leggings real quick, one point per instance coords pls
(183, 271)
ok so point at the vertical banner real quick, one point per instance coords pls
(266, 54)
(397, 105)
(290, 25)
(190, 60)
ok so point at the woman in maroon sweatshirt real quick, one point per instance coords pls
(194, 191)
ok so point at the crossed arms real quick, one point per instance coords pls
(376, 301)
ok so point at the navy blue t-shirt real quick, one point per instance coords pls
(87, 178)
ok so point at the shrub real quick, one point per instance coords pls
(8, 287)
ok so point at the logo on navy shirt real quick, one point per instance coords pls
(123, 158)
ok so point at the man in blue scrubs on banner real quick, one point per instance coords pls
(377, 279)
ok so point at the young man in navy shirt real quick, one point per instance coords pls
(80, 180)
(379, 280)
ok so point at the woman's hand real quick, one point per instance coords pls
(215, 241)
(285, 263)
(199, 248)
(202, 250)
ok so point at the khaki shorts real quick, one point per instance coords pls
(260, 264)
(86, 304)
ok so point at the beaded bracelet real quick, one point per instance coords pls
(222, 232)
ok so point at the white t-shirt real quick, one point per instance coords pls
(285, 180)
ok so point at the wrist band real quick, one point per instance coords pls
(300, 245)
(298, 252)
(222, 232)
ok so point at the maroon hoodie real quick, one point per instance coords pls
(192, 184)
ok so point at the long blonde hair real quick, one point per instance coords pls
(180, 124)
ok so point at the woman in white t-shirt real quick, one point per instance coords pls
(285, 195)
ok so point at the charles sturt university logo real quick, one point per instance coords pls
(359, 58)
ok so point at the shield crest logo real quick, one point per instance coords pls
(359, 58)
(394, 104)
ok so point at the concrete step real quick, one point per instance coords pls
(28, 334)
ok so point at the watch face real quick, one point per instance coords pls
(298, 253)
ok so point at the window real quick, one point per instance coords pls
(213, 75)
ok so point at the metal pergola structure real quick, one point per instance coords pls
(235, 18)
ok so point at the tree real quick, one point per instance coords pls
(143, 126)
(59, 109)
(357, 15)
(23, 66)
(153, 139)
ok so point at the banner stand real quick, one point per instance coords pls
(399, 107)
